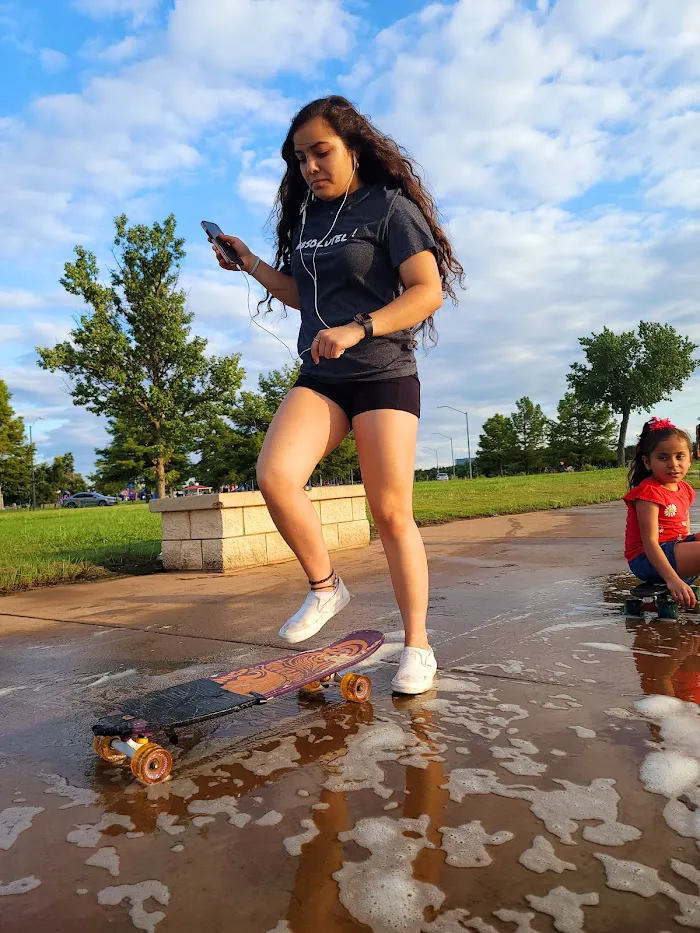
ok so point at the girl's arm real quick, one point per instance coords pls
(648, 516)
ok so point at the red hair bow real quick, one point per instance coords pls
(658, 424)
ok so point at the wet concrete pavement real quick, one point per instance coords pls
(528, 792)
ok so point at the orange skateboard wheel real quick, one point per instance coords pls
(151, 763)
(356, 687)
(103, 747)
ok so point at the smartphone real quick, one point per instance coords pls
(213, 231)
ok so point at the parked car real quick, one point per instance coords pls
(442, 477)
(82, 500)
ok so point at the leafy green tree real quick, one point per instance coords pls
(130, 459)
(131, 357)
(530, 426)
(52, 478)
(583, 433)
(632, 371)
(15, 455)
(497, 446)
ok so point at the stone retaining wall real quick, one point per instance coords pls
(227, 531)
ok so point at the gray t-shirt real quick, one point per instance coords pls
(357, 272)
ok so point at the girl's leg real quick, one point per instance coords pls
(306, 427)
(386, 444)
(687, 555)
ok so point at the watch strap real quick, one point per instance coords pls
(366, 323)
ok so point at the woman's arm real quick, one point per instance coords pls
(281, 286)
(421, 297)
(648, 516)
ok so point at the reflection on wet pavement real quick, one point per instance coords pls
(402, 816)
(551, 781)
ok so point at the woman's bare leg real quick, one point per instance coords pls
(305, 429)
(386, 444)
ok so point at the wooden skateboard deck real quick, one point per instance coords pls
(126, 731)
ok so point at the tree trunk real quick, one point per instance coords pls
(622, 438)
(160, 476)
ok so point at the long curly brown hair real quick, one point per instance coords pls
(380, 159)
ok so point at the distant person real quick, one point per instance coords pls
(361, 253)
(658, 544)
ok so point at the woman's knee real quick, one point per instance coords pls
(276, 483)
(392, 522)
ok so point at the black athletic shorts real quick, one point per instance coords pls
(402, 394)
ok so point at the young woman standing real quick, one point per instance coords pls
(361, 254)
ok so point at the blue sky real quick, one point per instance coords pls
(561, 140)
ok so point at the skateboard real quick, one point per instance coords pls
(125, 735)
(654, 599)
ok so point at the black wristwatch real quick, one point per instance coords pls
(366, 323)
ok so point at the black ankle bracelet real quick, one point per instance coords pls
(331, 576)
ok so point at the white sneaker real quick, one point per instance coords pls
(416, 671)
(317, 609)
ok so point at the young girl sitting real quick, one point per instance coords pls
(658, 545)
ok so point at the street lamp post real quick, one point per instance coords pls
(32, 447)
(454, 472)
(469, 449)
(437, 463)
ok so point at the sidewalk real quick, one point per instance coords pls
(508, 799)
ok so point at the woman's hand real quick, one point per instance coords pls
(246, 256)
(682, 593)
(332, 343)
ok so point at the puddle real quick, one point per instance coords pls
(500, 798)
(464, 808)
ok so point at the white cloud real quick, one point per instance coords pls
(13, 298)
(52, 60)
(73, 159)
(117, 52)
(10, 332)
(260, 37)
(140, 11)
(586, 95)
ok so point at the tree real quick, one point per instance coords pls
(584, 433)
(131, 356)
(50, 478)
(130, 459)
(497, 443)
(530, 426)
(632, 372)
(15, 455)
(230, 449)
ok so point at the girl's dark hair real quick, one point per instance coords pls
(380, 159)
(648, 440)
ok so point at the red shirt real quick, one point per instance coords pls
(674, 521)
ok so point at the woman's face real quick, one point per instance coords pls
(325, 161)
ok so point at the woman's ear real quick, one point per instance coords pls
(647, 463)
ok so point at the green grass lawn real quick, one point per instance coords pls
(61, 545)
(463, 498)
